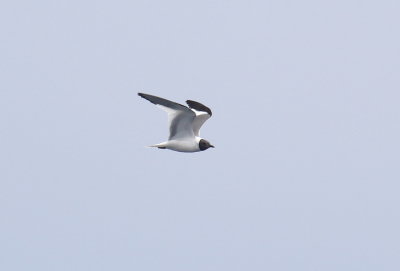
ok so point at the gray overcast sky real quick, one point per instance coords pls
(305, 173)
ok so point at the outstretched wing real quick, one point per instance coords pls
(202, 112)
(180, 118)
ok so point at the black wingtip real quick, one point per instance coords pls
(198, 106)
(147, 97)
(161, 101)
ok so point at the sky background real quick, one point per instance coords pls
(305, 99)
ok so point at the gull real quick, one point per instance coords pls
(184, 124)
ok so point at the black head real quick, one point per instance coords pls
(204, 145)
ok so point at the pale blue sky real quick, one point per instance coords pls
(305, 99)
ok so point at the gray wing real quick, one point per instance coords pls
(180, 117)
(202, 112)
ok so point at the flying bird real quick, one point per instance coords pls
(184, 124)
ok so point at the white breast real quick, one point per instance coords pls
(187, 145)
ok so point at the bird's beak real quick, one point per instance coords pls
(212, 146)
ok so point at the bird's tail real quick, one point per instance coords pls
(160, 145)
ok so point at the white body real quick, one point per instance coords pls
(187, 138)
(181, 145)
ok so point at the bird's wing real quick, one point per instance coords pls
(202, 112)
(180, 118)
